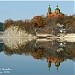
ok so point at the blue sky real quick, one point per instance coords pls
(17, 10)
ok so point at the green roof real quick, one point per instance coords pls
(57, 9)
(49, 8)
(57, 65)
(50, 13)
(59, 13)
(49, 66)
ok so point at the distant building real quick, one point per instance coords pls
(56, 13)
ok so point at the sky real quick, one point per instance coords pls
(21, 10)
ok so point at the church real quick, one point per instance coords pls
(56, 13)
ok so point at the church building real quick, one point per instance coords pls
(56, 13)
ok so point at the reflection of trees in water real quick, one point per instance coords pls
(21, 49)
(14, 43)
(27, 49)
(44, 50)
(40, 50)
(70, 48)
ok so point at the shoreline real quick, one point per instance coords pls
(46, 37)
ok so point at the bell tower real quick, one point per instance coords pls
(57, 10)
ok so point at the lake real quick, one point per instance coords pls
(36, 57)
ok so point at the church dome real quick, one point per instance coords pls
(57, 8)
(49, 8)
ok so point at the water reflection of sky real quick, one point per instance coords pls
(27, 64)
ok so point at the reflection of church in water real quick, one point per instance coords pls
(57, 61)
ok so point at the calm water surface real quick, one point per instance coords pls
(37, 57)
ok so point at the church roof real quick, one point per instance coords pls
(50, 13)
(57, 9)
(49, 8)
(59, 13)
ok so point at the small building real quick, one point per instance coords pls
(56, 13)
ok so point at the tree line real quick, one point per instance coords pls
(40, 22)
